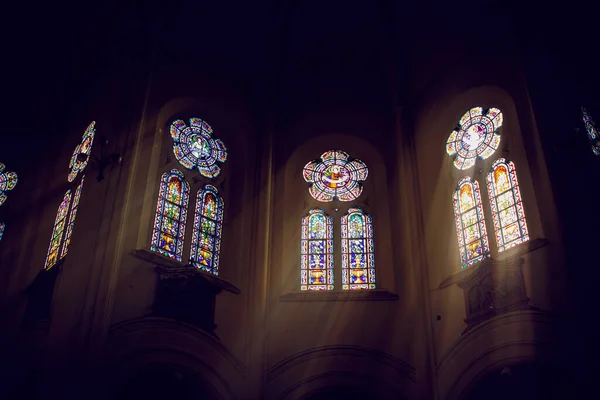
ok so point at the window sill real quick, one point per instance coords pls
(327, 295)
(179, 268)
(516, 251)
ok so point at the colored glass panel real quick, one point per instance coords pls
(78, 164)
(476, 136)
(358, 250)
(316, 251)
(72, 216)
(195, 147)
(470, 222)
(335, 176)
(592, 132)
(171, 214)
(57, 232)
(2, 226)
(8, 181)
(510, 224)
(208, 227)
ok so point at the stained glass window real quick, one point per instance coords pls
(57, 232)
(470, 222)
(72, 216)
(196, 148)
(208, 225)
(591, 131)
(8, 180)
(2, 226)
(171, 213)
(335, 176)
(507, 208)
(476, 136)
(85, 147)
(358, 250)
(316, 266)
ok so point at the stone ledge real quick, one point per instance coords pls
(330, 295)
(157, 259)
(516, 251)
(168, 268)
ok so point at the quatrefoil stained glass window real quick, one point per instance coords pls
(335, 176)
(476, 136)
(195, 147)
(85, 147)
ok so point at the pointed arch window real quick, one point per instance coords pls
(72, 216)
(358, 250)
(470, 223)
(317, 251)
(171, 214)
(57, 232)
(208, 226)
(67, 210)
(510, 224)
(592, 132)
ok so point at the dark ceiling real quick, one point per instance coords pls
(280, 53)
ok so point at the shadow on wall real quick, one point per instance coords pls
(523, 382)
(161, 382)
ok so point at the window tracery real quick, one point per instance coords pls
(171, 214)
(208, 226)
(57, 231)
(316, 265)
(8, 181)
(476, 136)
(335, 176)
(78, 164)
(195, 147)
(510, 224)
(358, 250)
(64, 222)
(470, 222)
(72, 216)
(592, 132)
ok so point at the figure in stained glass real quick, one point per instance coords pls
(470, 222)
(195, 147)
(477, 135)
(57, 232)
(316, 251)
(592, 132)
(335, 176)
(208, 226)
(78, 163)
(8, 181)
(171, 214)
(358, 250)
(510, 224)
